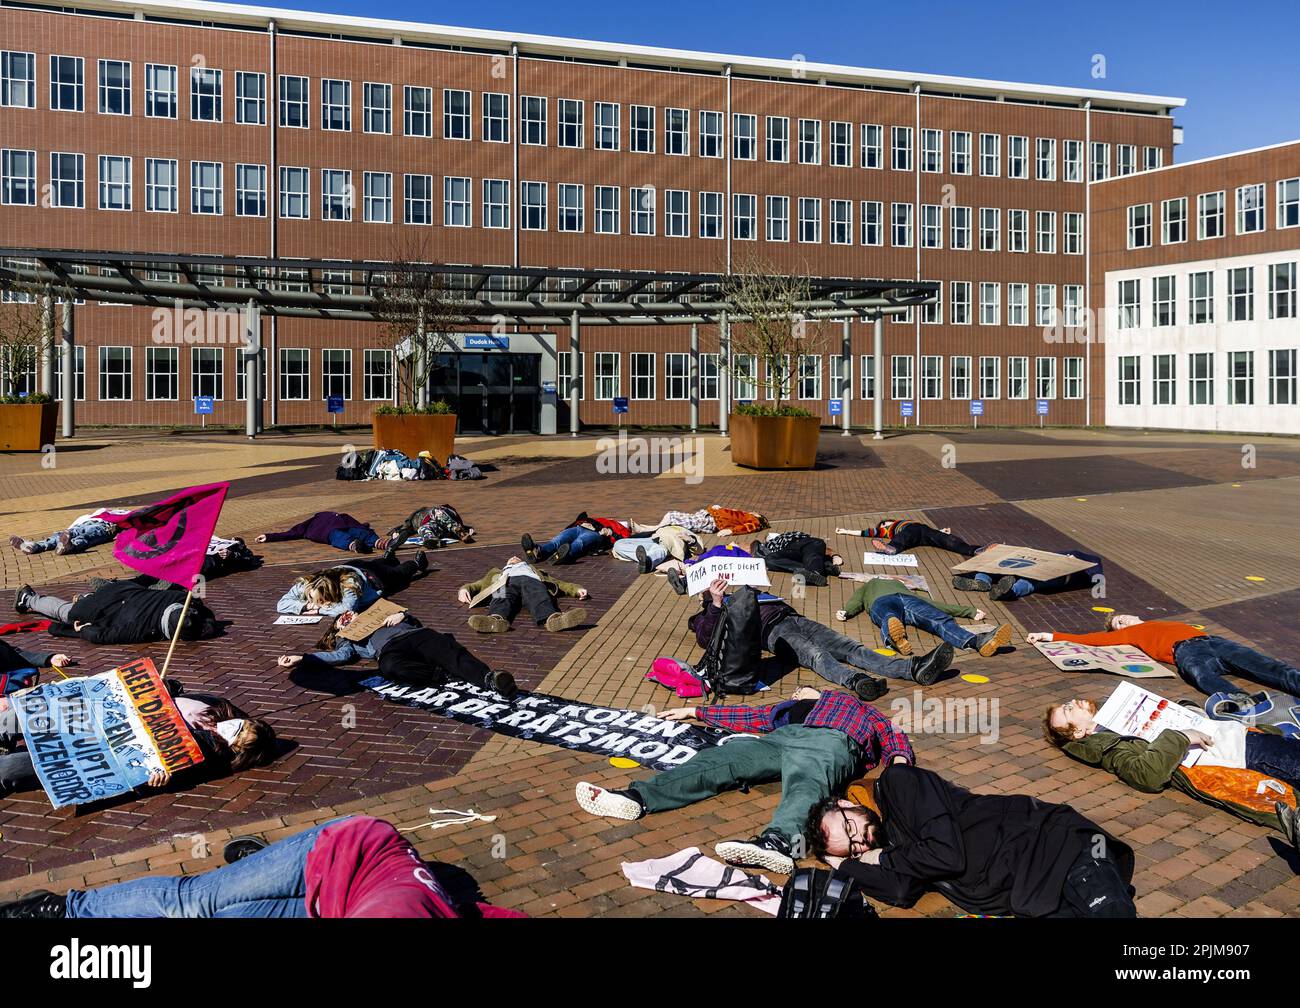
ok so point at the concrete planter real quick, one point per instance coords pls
(411, 434)
(27, 427)
(774, 442)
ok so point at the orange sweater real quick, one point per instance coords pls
(1156, 638)
(737, 522)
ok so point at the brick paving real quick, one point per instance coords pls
(543, 854)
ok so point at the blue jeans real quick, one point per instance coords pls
(582, 542)
(1020, 589)
(920, 614)
(831, 655)
(343, 538)
(625, 549)
(1274, 755)
(270, 883)
(1203, 662)
(81, 536)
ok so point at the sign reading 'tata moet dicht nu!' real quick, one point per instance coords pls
(737, 570)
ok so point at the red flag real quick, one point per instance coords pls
(169, 540)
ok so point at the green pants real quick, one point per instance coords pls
(810, 763)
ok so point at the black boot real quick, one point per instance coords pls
(240, 847)
(642, 560)
(21, 597)
(502, 683)
(867, 687)
(42, 905)
(927, 668)
(174, 687)
(677, 581)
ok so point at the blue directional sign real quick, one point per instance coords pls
(1042, 407)
(204, 405)
(486, 341)
(977, 407)
(334, 403)
(837, 407)
(620, 405)
(907, 407)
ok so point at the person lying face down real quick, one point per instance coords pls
(1153, 766)
(352, 587)
(988, 854)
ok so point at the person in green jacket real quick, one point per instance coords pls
(1153, 766)
(515, 586)
(894, 607)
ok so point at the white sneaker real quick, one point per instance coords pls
(761, 852)
(599, 801)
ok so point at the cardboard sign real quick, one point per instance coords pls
(290, 620)
(1117, 659)
(739, 570)
(94, 737)
(916, 582)
(890, 559)
(1132, 710)
(363, 625)
(1022, 561)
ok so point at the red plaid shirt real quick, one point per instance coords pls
(881, 741)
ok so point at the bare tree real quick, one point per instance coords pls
(415, 305)
(23, 341)
(772, 328)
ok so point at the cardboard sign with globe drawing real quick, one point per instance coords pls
(1022, 561)
(1117, 659)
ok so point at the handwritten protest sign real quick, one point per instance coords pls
(1132, 710)
(371, 620)
(1117, 659)
(890, 559)
(1022, 561)
(94, 737)
(288, 620)
(736, 570)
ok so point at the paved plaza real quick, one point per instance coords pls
(1198, 528)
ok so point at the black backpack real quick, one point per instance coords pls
(817, 893)
(359, 470)
(731, 659)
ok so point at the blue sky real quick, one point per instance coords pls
(1236, 65)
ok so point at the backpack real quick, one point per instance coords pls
(730, 663)
(445, 522)
(238, 558)
(359, 469)
(430, 470)
(813, 893)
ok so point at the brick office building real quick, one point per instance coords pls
(184, 126)
(1194, 272)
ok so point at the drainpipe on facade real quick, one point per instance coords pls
(270, 389)
(1089, 321)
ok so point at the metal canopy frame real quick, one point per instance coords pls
(343, 289)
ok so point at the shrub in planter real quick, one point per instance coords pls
(774, 437)
(27, 423)
(413, 429)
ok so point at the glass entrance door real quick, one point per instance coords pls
(493, 392)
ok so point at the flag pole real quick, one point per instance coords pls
(177, 633)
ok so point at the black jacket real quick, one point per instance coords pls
(121, 612)
(12, 659)
(770, 613)
(989, 854)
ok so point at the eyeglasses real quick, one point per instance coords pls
(851, 833)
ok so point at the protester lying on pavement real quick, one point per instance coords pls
(1229, 772)
(675, 570)
(834, 657)
(900, 535)
(515, 586)
(1200, 658)
(1009, 586)
(651, 549)
(229, 739)
(433, 525)
(83, 533)
(582, 537)
(332, 528)
(128, 611)
(814, 744)
(20, 668)
(988, 854)
(407, 652)
(353, 587)
(894, 607)
(714, 519)
(354, 867)
(800, 554)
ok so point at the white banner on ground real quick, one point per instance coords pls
(1132, 710)
(289, 620)
(738, 570)
(890, 559)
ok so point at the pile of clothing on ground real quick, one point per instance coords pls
(391, 464)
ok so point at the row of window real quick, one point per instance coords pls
(1251, 214)
(647, 130)
(1239, 379)
(645, 211)
(1279, 296)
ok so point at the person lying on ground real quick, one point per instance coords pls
(814, 744)
(359, 866)
(834, 657)
(353, 587)
(82, 534)
(675, 570)
(1202, 659)
(650, 549)
(1005, 855)
(432, 525)
(894, 607)
(1011, 587)
(800, 554)
(406, 652)
(584, 536)
(19, 668)
(1153, 766)
(515, 586)
(127, 611)
(712, 520)
(224, 557)
(899, 535)
(332, 528)
(229, 739)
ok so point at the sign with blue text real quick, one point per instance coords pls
(486, 341)
(334, 403)
(204, 405)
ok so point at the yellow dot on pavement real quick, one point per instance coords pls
(1251, 577)
(1197, 626)
(1236, 484)
(623, 763)
(1081, 498)
(971, 677)
(887, 652)
(1102, 608)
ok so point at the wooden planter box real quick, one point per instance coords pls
(27, 428)
(763, 442)
(412, 434)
